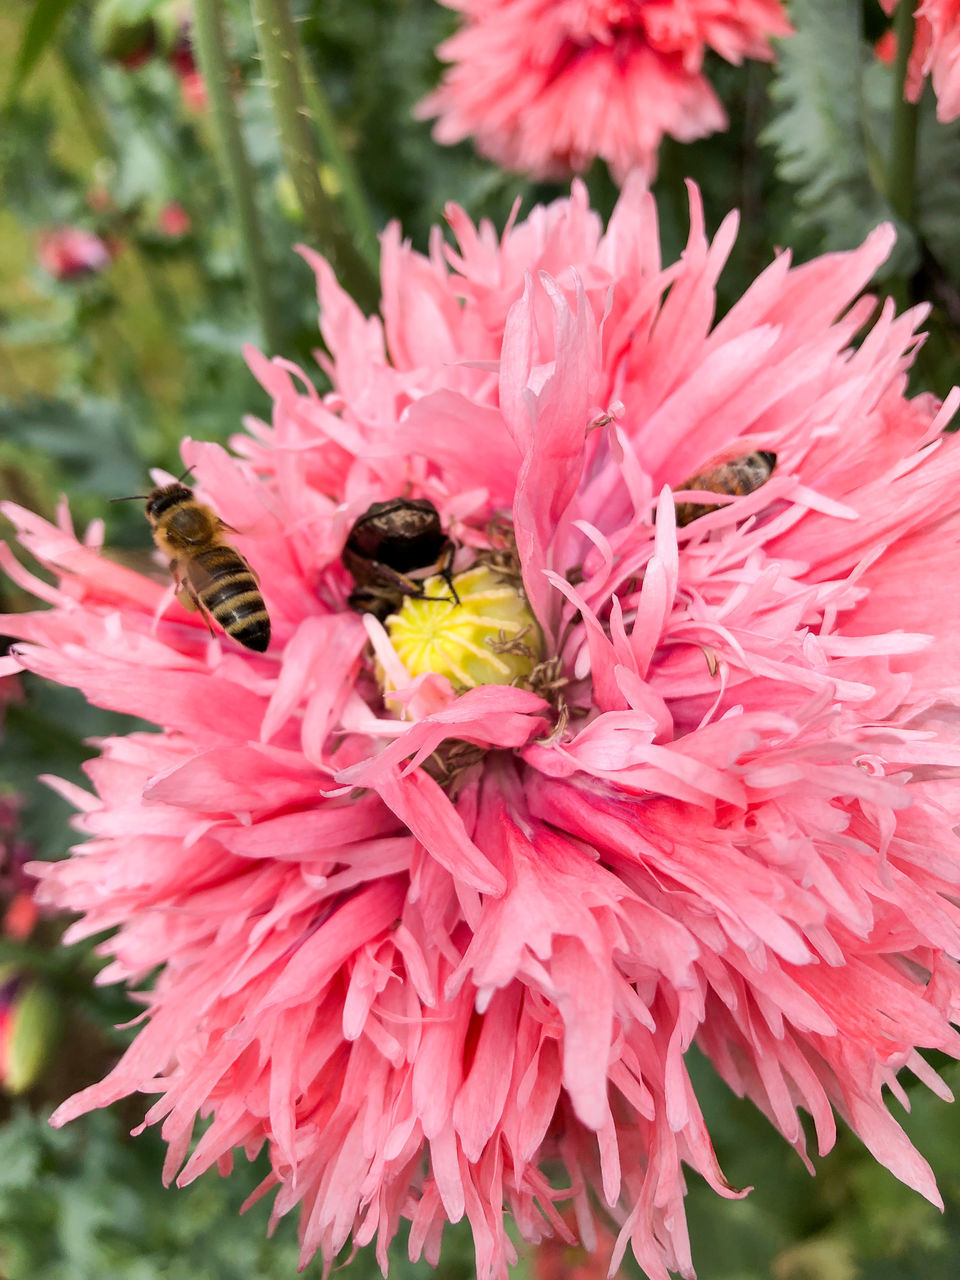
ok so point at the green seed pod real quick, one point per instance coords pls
(490, 637)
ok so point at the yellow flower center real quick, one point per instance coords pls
(490, 637)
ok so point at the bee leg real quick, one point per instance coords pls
(446, 570)
(182, 589)
(387, 582)
(196, 605)
(188, 596)
(399, 582)
(411, 587)
(187, 600)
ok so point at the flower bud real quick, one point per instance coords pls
(29, 1028)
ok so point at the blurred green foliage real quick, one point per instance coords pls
(103, 373)
(853, 1221)
(86, 1203)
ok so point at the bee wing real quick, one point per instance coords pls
(196, 579)
(222, 524)
(190, 585)
(199, 579)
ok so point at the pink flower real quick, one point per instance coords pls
(545, 86)
(173, 221)
(68, 253)
(425, 998)
(193, 89)
(935, 53)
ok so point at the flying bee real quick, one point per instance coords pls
(736, 476)
(210, 574)
(390, 547)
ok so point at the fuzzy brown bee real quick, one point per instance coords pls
(210, 574)
(736, 476)
(387, 545)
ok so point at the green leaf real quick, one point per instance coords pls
(937, 181)
(19, 1155)
(45, 17)
(826, 135)
(90, 439)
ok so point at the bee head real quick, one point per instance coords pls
(164, 498)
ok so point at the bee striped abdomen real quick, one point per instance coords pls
(736, 477)
(227, 589)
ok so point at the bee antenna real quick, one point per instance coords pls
(132, 497)
(180, 479)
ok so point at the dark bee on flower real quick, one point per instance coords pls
(735, 476)
(391, 548)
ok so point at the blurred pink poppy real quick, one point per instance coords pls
(67, 253)
(173, 221)
(545, 86)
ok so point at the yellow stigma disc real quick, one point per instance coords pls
(490, 637)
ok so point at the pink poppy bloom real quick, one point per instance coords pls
(935, 53)
(173, 221)
(545, 86)
(723, 815)
(67, 253)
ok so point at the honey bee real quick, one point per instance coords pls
(387, 545)
(736, 476)
(210, 575)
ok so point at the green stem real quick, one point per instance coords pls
(280, 54)
(234, 161)
(352, 193)
(903, 142)
(87, 110)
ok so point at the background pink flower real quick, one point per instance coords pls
(18, 910)
(545, 86)
(173, 221)
(68, 253)
(935, 53)
(424, 999)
